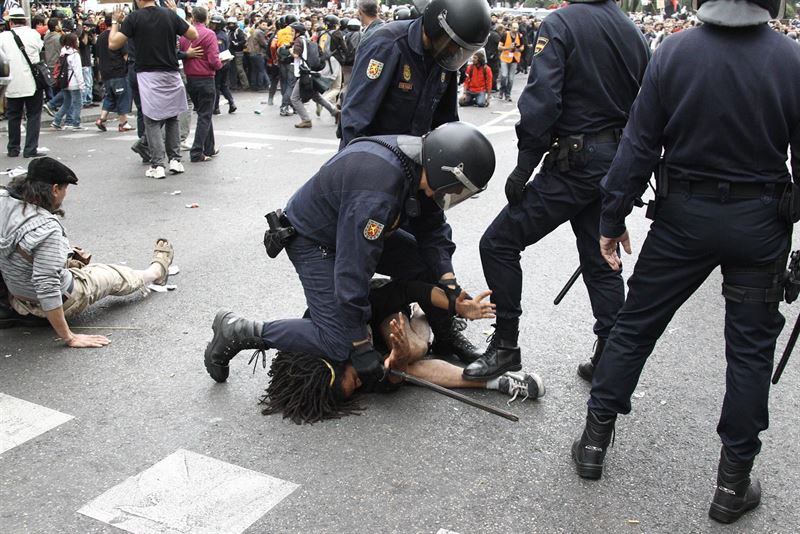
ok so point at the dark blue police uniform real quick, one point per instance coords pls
(347, 230)
(723, 104)
(396, 88)
(588, 63)
(222, 77)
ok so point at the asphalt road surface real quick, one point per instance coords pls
(137, 436)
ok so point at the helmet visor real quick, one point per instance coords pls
(450, 51)
(455, 193)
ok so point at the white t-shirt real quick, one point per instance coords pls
(22, 83)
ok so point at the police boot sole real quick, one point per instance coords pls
(494, 374)
(585, 469)
(218, 372)
(586, 371)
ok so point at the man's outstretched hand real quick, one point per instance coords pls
(400, 344)
(608, 249)
(82, 341)
(473, 309)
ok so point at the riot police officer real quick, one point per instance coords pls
(404, 77)
(588, 62)
(721, 101)
(341, 219)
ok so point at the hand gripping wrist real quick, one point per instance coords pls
(452, 290)
(368, 364)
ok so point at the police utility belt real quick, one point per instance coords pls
(567, 151)
(279, 234)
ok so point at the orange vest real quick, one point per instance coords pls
(507, 56)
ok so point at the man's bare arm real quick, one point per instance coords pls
(59, 324)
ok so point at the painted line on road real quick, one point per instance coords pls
(80, 136)
(21, 421)
(445, 531)
(189, 492)
(249, 146)
(274, 137)
(499, 119)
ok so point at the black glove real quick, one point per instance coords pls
(515, 185)
(368, 363)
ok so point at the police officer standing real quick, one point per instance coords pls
(588, 63)
(341, 219)
(722, 200)
(404, 77)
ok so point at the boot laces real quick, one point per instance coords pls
(516, 387)
(254, 358)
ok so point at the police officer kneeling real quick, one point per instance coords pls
(340, 220)
(723, 200)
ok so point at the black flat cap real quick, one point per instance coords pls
(50, 171)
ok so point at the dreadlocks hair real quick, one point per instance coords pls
(35, 193)
(300, 388)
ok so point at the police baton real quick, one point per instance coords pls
(787, 352)
(453, 395)
(568, 285)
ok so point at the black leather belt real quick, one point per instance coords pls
(606, 136)
(725, 190)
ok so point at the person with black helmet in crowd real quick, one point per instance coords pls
(412, 65)
(369, 17)
(724, 199)
(404, 77)
(341, 222)
(302, 71)
(221, 78)
(587, 67)
(236, 43)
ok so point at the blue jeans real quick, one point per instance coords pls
(89, 83)
(507, 72)
(474, 99)
(71, 108)
(57, 101)
(258, 72)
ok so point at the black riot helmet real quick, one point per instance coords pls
(281, 22)
(343, 23)
(331, 22)
(458, 161)
(299, 28)
(217, 20)
(456, 28)
(776, 8)
(402, 13)
(289, 19)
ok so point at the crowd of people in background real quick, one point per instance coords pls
(263, 47)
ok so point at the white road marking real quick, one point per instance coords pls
(189, 492)
(498, 119)
(124, 138)
(491, 130)
(315, 151)
(249, 146)
(445, 531)
(273, 137)
(71, 135)
(21, 420)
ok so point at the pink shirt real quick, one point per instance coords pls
(209, 64)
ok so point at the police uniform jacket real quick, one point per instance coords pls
(346, 210)
(395, 88)
(588, 63)
(722, 102)
(222, 40)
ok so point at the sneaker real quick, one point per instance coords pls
(176, 167)
(303, 124)
(284, 112)
(79, 128)
(156, 172)
(55, 126)
(142, 151)
(521, 384)
(185, 146)
(124, 127)
(47, 109)
(101, 125)
(232, 108)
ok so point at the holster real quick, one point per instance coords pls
(279, 234)
(566, 153)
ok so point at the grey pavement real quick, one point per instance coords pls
(88, 116)
(412, 461)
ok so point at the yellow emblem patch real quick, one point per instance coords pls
(374, 69)
(407, 73)
(373, 230)
(541, 42)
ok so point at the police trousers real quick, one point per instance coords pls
(551, 199)
(690, 237)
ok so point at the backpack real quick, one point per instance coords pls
(313, 57)
(351, 44)
(61, 73)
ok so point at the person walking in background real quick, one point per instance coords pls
(114, 75)
(52, 51)
(71, 108)
(511, 47)
(236, 41)
(221, 78)
(22, 46)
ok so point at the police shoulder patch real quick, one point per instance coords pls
(373, 230)
(541, 43)
(374, 69)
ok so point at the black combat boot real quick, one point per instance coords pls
(590, 451)
(586, 370)
(231, 335)
(736, 493)
(448, 340)
(501, 356)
